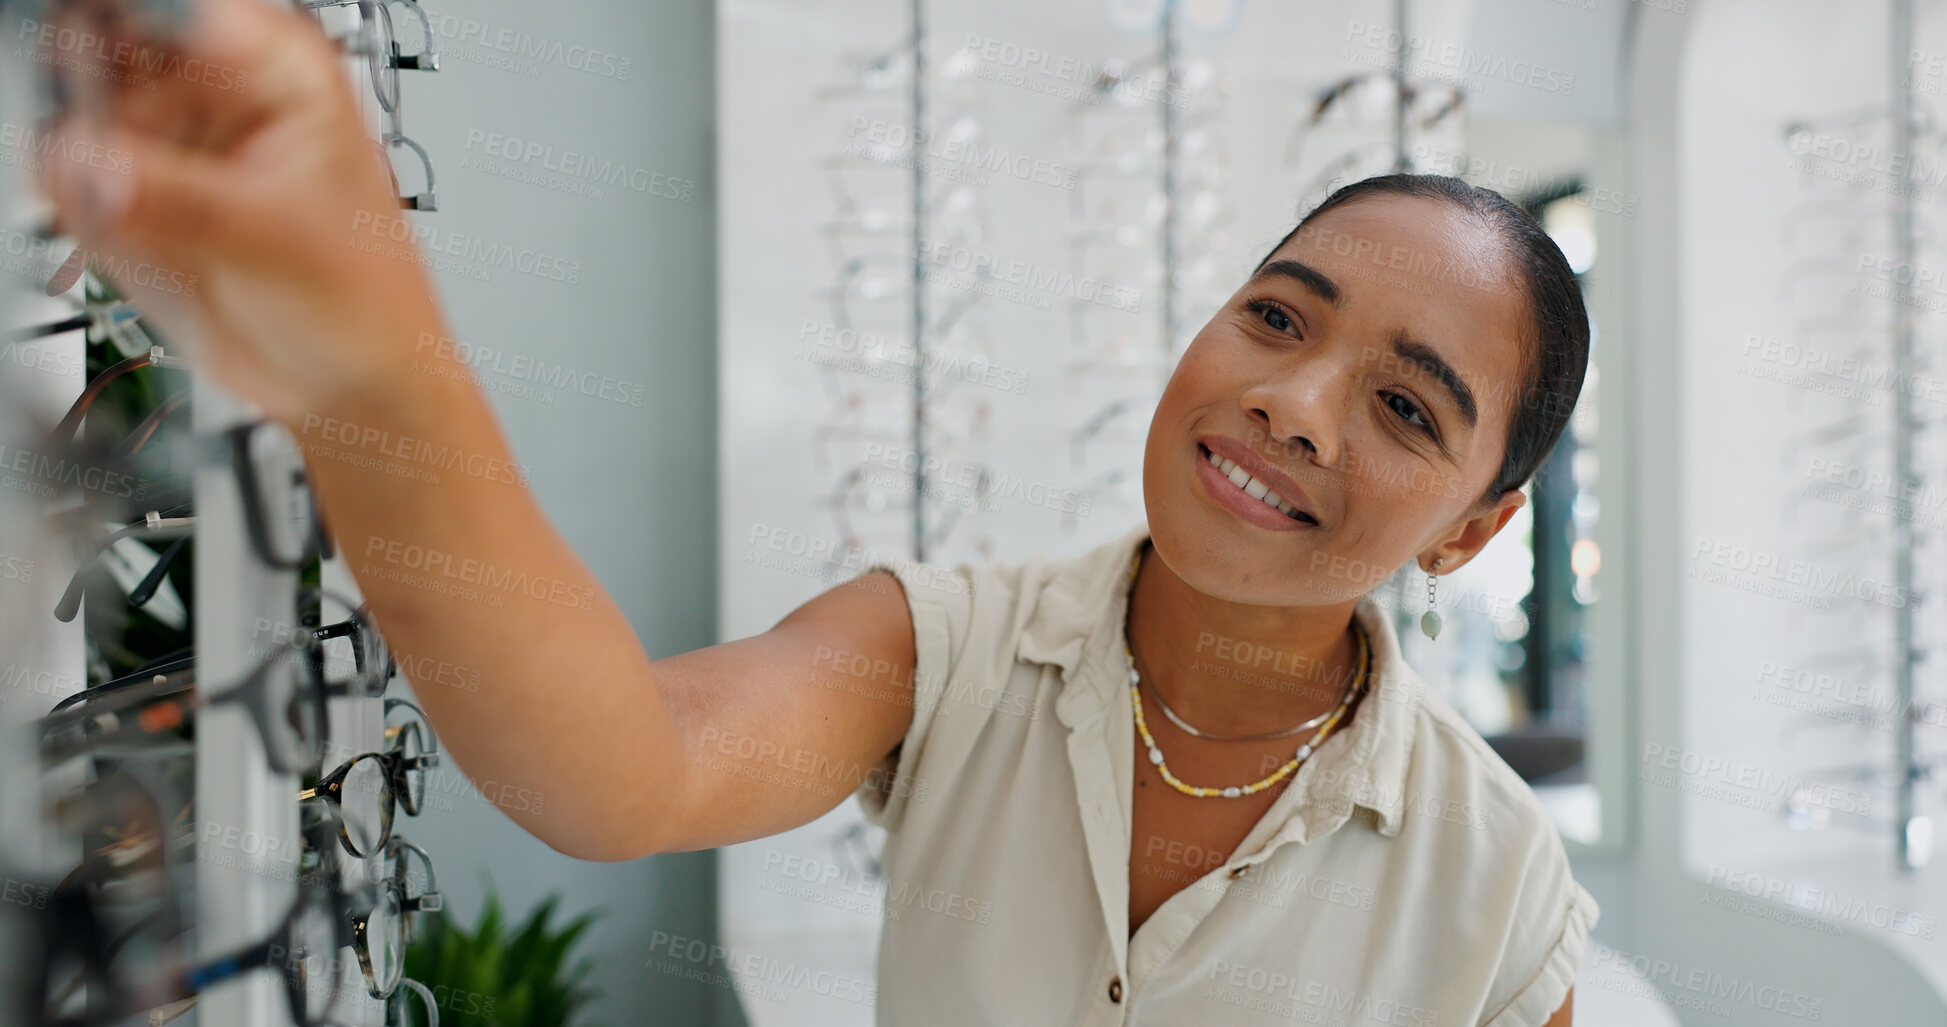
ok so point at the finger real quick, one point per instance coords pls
(157, 19)
(150, 113)
(233, 64)
(110, 76)
(130, 195)
(252, 56)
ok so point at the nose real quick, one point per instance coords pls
(1301, 409)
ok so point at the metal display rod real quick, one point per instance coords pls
(917, 10)
(1399, 88)
(1914, 833)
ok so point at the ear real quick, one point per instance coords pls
(1471, 535)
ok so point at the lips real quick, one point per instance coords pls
(1255, 477)
(1234, 473)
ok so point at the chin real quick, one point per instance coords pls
(1216, 552)
(1223, 562)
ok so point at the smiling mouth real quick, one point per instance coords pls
(1252, 487)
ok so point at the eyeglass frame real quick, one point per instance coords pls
(70, 423)
(394, 751)
(92, 315)
(78, 710)
(154, 521)
(357, 626)
(397, 851)
(382, 55)
(330, 791)
(384, 62)
(395, 790)
(73, 921)
(319, 887)
(360, 925)
(426, 201)
(250, 492)
(184, 659)
(392, 887)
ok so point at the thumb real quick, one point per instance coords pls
(121, 192)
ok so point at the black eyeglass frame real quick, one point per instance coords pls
(73, 924)
(292, 752)
(256, 521)
(155, 523)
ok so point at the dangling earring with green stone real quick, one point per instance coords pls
(1430, 620)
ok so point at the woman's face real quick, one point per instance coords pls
(1367, 375)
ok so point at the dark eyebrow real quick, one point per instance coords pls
(1419, 353)
(1429, 360)
(1305, 275)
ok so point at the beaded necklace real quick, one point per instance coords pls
(1330, 724)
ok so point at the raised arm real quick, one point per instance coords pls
(261, 189)
(548, 695)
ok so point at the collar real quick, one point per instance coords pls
(1077, 623)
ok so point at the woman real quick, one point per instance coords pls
(1184, 777)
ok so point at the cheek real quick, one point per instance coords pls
(1208, 372)
(1187, 390)
(1389, 477)
(1193, 370)
(1393, 514)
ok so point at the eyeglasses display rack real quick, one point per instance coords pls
(204, 767)
(1144, 206)
(1913, 839)
(1872, 340)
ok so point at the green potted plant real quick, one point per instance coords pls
(501, 974)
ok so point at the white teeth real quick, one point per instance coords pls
(1254, 488)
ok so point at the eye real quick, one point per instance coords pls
(1273, 315)
(1409, 413)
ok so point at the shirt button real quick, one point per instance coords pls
(1115, 989)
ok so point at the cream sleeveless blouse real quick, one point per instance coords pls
(1406, 876)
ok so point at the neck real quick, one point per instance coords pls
(1234, 668)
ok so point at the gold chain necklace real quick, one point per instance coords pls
(1304, 751)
